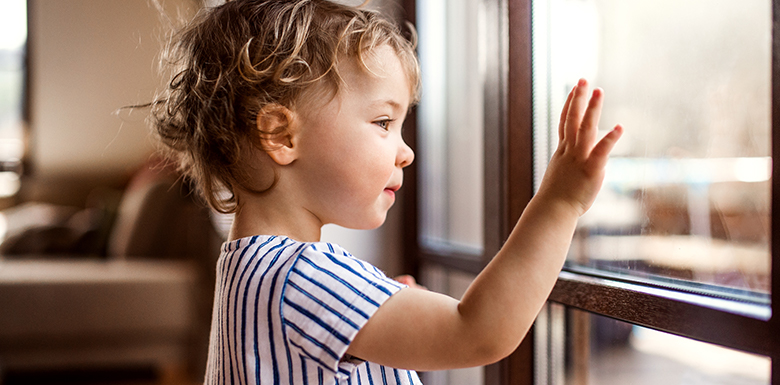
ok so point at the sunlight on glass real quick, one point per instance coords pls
(687, 189)
(450, 123)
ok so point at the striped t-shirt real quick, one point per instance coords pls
(286, 311)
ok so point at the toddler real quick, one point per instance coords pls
(289, 114)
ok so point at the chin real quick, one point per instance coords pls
(370, 224)
(375, 225)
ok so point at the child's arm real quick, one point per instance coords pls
(417, 329)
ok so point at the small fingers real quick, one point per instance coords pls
(564, 113)
(575, 111)
(588, 129)
(409, 280)
(405, 279)
(600, 153)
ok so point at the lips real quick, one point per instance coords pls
(391, 190)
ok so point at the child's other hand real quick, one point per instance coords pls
(576, 170)
(408, 280)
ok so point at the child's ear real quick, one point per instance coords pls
(275, 125)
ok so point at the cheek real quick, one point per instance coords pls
(367, 173)
(363, 174)
(345, 163)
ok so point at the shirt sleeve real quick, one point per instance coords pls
(329, 295)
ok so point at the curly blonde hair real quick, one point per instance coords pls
(231, 61)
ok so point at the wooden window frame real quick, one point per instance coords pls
(507, 170)
(509, 184)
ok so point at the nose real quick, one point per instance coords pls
(405, 155)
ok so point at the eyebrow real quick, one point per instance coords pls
(390, 102)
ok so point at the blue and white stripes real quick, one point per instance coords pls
(285, 313)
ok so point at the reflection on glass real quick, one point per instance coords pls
(687, 188)
(614, 352)
(450, 125)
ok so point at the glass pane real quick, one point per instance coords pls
(450, 125)
(604, 351)
(453, 283)
(688, 187)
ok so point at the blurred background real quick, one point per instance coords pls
(107, 258)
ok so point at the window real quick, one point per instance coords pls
(679, 239)
(460, 46)
(679, 248)
(687, 190)
(13, 40)
(452, 111)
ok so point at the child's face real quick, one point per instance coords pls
(351, 150)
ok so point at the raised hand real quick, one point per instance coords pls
(576, 170)
(425, 330)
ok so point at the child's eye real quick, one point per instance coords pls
(384, 123)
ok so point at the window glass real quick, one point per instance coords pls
(453, 283)
(605, 351)
(450, 123)
(13, 37)
(687, 194)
